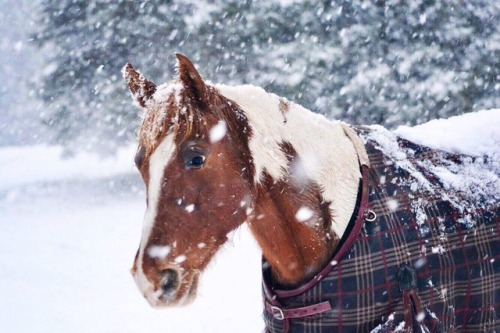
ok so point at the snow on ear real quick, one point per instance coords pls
(140, 88)
(191, 79)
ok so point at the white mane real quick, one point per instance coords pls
(326, 152)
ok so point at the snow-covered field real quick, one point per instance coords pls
(69, 229)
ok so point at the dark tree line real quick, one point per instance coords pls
(389, 62)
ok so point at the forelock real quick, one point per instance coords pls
(172, 109)
(166, 112)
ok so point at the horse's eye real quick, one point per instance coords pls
(195, 162)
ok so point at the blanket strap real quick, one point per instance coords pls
(305, 311)
(412, 306)
(414, 311)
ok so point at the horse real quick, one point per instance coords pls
(358, 233)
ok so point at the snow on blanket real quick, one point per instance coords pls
(475, 134)
(475, 173)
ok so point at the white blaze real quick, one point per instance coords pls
(157, 164)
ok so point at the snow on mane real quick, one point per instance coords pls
(165, 90)
(159, 117)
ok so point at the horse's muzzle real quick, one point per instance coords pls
(173, 287)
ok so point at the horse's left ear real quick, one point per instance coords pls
(190, 78)
(141, 88)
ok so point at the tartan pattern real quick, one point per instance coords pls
(458, 268)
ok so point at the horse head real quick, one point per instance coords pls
(213, 157)
(194, 159)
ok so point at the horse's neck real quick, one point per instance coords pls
(326, 152)
(307, 170)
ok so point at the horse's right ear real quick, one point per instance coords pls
(191, 79)
(140, 88)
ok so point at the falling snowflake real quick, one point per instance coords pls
(218, 132)
(158, 251)
(180, 259)
(304, 214)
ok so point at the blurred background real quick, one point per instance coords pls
(386, 62)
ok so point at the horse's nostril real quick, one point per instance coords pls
(170, 281)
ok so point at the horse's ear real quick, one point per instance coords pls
(140, 88)
(190, 78)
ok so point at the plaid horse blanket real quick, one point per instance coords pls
(426, 261)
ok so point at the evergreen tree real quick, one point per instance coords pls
(19, 105)
(387, 62)
(88, 43)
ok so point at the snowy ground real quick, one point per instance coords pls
(70, 229)
(69, 232)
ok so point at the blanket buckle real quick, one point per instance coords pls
(277, 312)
